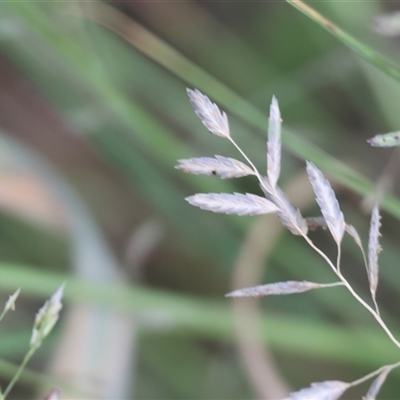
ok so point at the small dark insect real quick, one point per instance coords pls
(214, 172)
(314, 223)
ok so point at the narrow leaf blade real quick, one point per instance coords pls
(366, 52)
(236, 203)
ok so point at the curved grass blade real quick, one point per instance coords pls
(163, 54)
(361, 49)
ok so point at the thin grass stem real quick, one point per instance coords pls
(246, 158)
(339, 256)
(25, 361)
(374, 313)
(374, 373)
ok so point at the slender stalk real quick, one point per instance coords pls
(325, 285)
(339, 256)
(2, 315)
(247, 159)
(375, 303)
(372, 374)
(335, 269)
(25, 361)
(374, 313)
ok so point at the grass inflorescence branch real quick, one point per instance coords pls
(276, 202)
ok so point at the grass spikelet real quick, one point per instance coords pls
(326, 199)
(287, 213)
(374, 249)
(354, 234)
(327, 390)
(237, 203)
(209, 113)
(385, 140)
(274, 143)
(377, 384)
(224, 167)
(276, 201)
(54, 394)
(278, 288)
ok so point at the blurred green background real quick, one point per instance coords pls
(93, 116)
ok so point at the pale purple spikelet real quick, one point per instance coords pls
(327, 390)
(224, 167)
(377, 384)
(10, 304)
(47, 317)
(390, 139)
(274, 143)
(209, 113)
(326, 199)
(374, 249)
(236, 203)
(354, 234)
(287, 213)
(279, 288)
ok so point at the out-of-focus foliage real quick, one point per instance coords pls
(94, 115)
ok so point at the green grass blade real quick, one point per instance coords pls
(171, 59)
(368, 54)
(210, 318)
